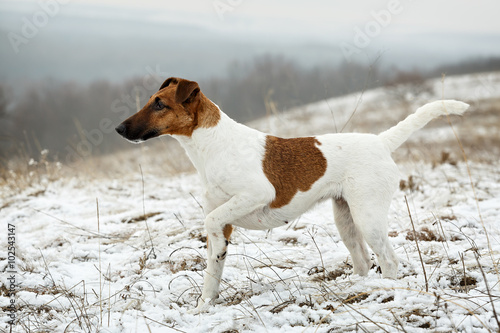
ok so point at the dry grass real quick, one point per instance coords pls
(424, 235)
(89, 307)
(479, 132)
(21, 172)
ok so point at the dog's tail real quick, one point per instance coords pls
(397, 135)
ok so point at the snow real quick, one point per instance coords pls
(88, 261)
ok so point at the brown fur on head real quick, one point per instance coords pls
(178, 108)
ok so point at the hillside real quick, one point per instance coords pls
(376, 110)
(116, 244)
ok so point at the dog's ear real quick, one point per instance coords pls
(186, 91)
(168, 81)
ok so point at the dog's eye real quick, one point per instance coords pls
(158, 105)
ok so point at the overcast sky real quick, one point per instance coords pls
(330, 16)
(430, 32)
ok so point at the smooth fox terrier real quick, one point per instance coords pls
(255, 180)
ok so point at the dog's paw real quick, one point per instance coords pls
(202, 307)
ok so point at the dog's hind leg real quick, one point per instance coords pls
(369, 213)
(351, 237)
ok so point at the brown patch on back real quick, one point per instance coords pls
(292, 165)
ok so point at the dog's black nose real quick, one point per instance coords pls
(120, 129)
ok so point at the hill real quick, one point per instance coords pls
(117, 243)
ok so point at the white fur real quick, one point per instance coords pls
(361, 178)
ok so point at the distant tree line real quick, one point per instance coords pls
(73, 121)
(248, 88)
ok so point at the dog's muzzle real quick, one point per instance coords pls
(121, 129)
(135, 135)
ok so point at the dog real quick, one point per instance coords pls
(255, 180)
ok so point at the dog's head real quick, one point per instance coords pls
(178, 108)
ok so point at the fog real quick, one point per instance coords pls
(85, 41)
(66, 65)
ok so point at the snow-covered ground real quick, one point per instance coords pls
(99, 253)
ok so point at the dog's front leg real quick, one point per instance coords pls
(218, 226)
(213, 273)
